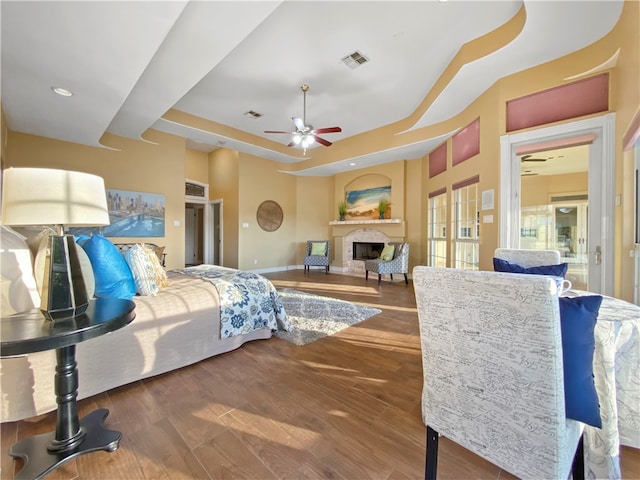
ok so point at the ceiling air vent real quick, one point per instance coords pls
(354, 59)
(253, 114)
(193, 190)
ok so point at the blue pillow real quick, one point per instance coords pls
(578, 317)
(113, 276)
(560, 270)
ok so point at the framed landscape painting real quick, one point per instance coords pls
(132, 214)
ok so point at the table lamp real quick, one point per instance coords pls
(60, 198)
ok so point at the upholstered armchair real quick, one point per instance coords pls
(528, 258)
(317, 255)
(493, 371)
(398, 264)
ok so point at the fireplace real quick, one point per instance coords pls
(367, 250)
(349, 232)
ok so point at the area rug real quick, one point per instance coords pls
(313, 317)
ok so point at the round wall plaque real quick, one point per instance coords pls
(269, 216)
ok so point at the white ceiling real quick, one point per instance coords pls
(131, 65)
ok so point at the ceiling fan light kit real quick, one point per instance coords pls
(305, 135)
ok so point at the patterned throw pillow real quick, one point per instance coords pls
(560, 270)
(577, 323)
(142, 270)
(158, 270)
(387, 253)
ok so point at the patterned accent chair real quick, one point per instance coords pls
(493, 371)
(528, 258)
(399, 263)
(313, 259)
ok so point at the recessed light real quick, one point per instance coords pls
(62, 91)
(352, 164)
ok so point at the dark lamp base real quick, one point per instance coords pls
(64, 293)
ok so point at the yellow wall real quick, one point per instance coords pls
(486, 164)
(3, 138)
(415, 217)
(536, 190)
(261, 181)
(224, 184)
(196, 166)
(315, 209)
(138, 166)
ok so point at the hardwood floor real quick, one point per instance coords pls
(344, 407)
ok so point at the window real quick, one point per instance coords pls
(437, 233)
(466, 226)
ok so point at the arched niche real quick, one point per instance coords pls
(364, 182)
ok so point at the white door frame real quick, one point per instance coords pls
(209, 246)
(601, 153)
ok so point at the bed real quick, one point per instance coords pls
(179, 326)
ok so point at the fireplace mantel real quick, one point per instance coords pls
(365, 222)
(393, 227)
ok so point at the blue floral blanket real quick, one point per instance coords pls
(248, 301)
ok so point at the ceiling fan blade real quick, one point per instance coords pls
(327, 130)
(277, 131)
(290, 144)
(298, 123)
(322, 141)
(527, 158)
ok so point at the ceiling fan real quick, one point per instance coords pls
(305, 135)
(528, 158)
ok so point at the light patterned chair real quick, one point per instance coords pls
(399, 263)
(528, 258)
(320, 257)
(493, 371)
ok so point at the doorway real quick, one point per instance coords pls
(193, 234)
(203, 226)
(575, 216)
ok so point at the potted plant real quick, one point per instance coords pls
(382, 207)
(342, 209)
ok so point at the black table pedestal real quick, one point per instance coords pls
(38, 460)
(73, 437)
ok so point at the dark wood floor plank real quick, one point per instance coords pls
(226, 456)
(162, 453)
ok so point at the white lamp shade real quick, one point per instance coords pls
(45, 196)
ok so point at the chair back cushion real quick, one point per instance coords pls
(492, 365)
(528, 257)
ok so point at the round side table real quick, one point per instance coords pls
(30, 332)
